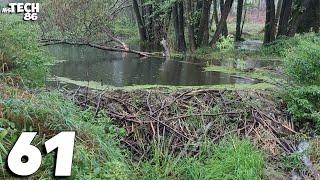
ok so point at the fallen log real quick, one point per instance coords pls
(48, 42)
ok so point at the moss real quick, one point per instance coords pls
(97, 86)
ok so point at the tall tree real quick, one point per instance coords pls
(310, 21)
(191, 35)
(225, 26)
(141, 26)
(269, 34)
(215, 16)
(224, 16)
(239, 18)
(178, 22)
(203, 34)
(298, 17)
(285, 15)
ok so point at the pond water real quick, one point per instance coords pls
(81, 63)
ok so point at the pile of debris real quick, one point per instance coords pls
(185, 117)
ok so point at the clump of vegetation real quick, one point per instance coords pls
(303, 68)
(303, 104)
(97, 152)
(225, 44)
(302, 62)
(19, 50)
(232, 158)
(280, 47)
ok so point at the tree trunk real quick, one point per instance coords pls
(239, 18)
(182, 39)
(297, 19)
(269, 35)
(215, 16)
(177, 13)
(192, 40)
(285, 14)
(225, 26)
(311, 19)
(141, 27)
(278, 12)
(203, 36)
(224, 16)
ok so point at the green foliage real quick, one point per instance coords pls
(231, 159)
(235, 159)
(225, 44)
(283, 45)
(303, 104)
(302, 63)
(18, 42)
(293, 161)
(97, 154)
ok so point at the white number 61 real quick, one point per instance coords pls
(25, 159)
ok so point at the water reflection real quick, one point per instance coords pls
(118, 69)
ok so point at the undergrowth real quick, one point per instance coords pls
(97, 152)
(20, 52)
(232, 158)
(302, 65)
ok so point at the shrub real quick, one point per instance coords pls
(302, 63)
(19, 44)
(281, 46)
(225, 44)
(97, 154)
(303, 104)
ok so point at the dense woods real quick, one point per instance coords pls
(188, 24)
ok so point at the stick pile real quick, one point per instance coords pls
(186, 117)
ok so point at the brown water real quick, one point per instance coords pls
(81, 63)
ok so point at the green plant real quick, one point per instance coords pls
(97, 153)
(19, 44)
(303, 104)
(232, 158)
(302, 63)
(283, 45)
(235, 159)
(225, 44)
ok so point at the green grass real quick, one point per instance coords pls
(19, 44)
(232, 158)
(97, 152)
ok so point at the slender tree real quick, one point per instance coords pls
(141, 26)
(239, 18)
(178, 21)
(224, 16)
(203, 35)
(298, 17)
(269, 34)
(191, 36)
(225, 26)
(285, 15)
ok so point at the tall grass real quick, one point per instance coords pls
(232, 158)
(19, 45)
(97, 152)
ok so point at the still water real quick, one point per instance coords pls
(81, 63)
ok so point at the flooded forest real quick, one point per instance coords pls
(164, 89)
